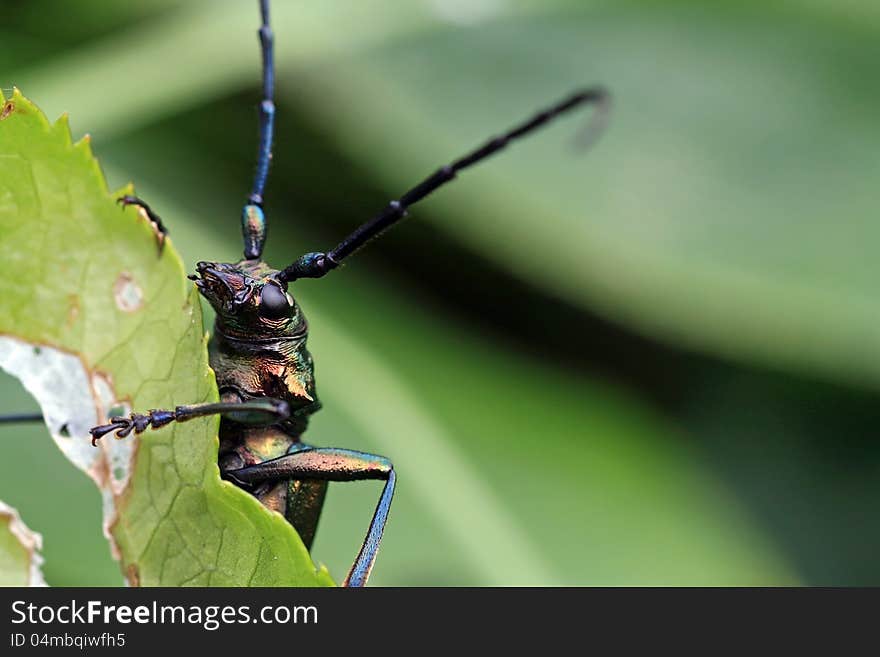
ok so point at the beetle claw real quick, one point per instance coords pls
(102, 430)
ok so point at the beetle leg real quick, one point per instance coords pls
(155, 220)
(333, 464)
(264, 410)
(15, 418)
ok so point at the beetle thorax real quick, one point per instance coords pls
(259, 344)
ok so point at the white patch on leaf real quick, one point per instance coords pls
(74, 400)
(128, 294)
(30, 540)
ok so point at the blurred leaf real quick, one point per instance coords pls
(36, 30)
(62, 501)
(805, 458)
(611, 493)
(709, 215)
(101, 315)
(20, 558)
(605, 488)
(509, 472)
(199, 51)
(729, 207)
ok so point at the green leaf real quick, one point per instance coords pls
(92, 318)
(20, 558)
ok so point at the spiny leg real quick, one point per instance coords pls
(253, 220)
(315, 265)
(155, 220)
(257, 411)
(333, 464)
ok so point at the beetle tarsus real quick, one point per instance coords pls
(123, 426)
(262, 411)
(155, 220)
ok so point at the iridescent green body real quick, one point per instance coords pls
(254, 357)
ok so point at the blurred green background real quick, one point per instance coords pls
(654, 364)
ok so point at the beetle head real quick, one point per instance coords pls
(249, 299)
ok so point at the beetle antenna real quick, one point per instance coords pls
(315, 265)
(253, 220)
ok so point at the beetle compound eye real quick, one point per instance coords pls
(273, 302)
